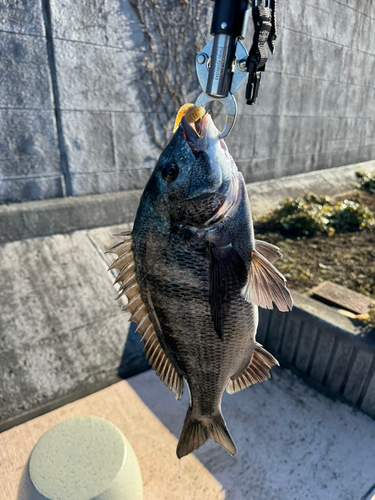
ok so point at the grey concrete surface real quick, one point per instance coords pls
(293, 443)
(46, 217)
(61, 329)
(121, 68)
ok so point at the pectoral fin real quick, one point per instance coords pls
(266, 284)
(226, 265)
(257, 370)
(270, 252)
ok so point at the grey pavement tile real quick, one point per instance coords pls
(25, 78)
(22, 17)
(28, 144)
(290, 439)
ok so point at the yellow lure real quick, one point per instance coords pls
(191, 113)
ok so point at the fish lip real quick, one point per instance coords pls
(196, 141)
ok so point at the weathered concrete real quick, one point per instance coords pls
(292, 442)
(121, 69)
(48, 217)
(325, 348)
(61, 329)
(43, 218)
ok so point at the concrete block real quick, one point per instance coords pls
(43, 218)
(340, 366)
(257, 140)
(22, 17)
(306, 345)
(357, 376)
(268, 102)
(80, 21)
(89, 140)
(334, 99)
(293, 330)
(322, 353)
(301, 96)
(136, 178)
(263, 325)
(85, 184)
(344, 26)
(93, 78)
(310, 18)
(62, 329)
(290, 165)
(135, 141)
(257, 169)
(25, 78)
(34, 188)
(349, 61)
(368, 403)
(123, 27)
(28, 144)
(275, 333)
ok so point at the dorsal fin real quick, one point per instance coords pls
(269, 251)
(257, 370)
(129, 287)
(265, 284)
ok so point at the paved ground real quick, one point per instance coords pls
(293, 442)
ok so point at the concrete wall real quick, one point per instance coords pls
(89, 91)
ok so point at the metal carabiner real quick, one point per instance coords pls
(203, 62)
(230, 105)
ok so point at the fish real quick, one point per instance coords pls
(194, 276)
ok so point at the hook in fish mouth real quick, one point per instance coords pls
(196, 132)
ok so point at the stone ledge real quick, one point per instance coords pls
(325, 348)
(64, 215)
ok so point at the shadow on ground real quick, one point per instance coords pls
(292, 441)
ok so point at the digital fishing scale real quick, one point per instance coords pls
(224, 63)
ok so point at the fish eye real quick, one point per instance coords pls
(170, 172)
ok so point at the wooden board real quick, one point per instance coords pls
(339, 296)
(164, 476)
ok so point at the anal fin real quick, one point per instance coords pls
(266, 284)
(257, 370)
(153, 350)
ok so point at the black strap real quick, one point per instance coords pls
(265, 33)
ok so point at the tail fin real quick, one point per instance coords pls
(196, 432)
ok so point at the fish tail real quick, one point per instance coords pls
(196, 432)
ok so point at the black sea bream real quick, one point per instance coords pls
(195, 276)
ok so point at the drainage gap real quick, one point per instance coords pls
(64, 166)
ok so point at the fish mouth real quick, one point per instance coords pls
(196, 133)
